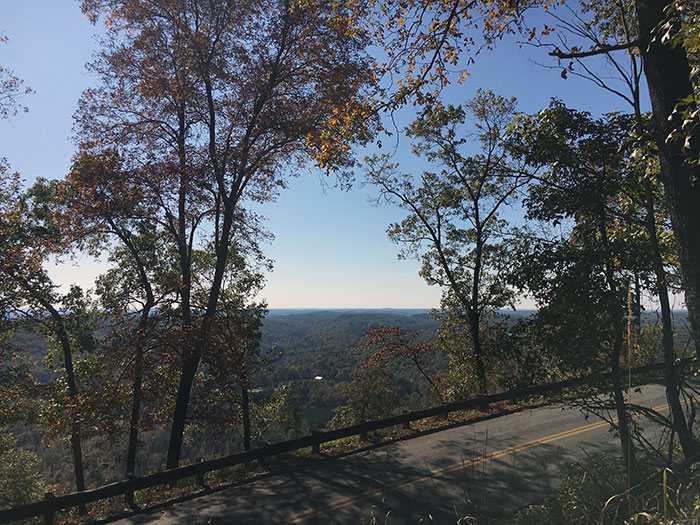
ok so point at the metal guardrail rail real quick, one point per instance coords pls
(52, 504)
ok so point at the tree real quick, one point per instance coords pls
(425, 40)
(30, 236)
(659, 34)
(19, 483)
(234, 356)
(645, 194)
(581, 277)
(667, 73)
(614, 26)
(369, 397)
(390, 343)
(213, 103)
(453, 221)
(596, 194)
(634, 205)
(100, 203)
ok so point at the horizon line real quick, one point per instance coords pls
(413, 308)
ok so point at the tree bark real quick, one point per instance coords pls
(193, 352)
(182, 400)
(474, 306)
(637, 303)
(668, 77)
(190, 358)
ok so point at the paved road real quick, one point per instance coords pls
(484, 468)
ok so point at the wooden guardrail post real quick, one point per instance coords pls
(363, 434)
(200, 476)
(316, 446)
(407, 424)
(129, 494)
(48, 515)
(263, 460)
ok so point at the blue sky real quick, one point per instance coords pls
(330, 248)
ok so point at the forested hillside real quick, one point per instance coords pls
(323, 344)
(306, 345)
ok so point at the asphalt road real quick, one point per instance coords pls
(485, 468)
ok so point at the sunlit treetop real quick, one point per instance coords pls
(272, 78)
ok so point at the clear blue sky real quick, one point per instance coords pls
(330, 248)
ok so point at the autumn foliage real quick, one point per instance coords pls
(391, 343)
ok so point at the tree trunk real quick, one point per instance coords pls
(622, 416)
(637, 303)
(76, 448)
(140, 349)
(194, 351)
(245, 405)
(177, 430)
(668, 78)
(477, 353)
(623, 423)
(191, 351)
(680, 425)
(135, 413)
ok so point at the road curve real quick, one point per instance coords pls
(484, 468)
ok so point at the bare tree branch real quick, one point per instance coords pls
(593, 52)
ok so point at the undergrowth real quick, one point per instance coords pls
(595, 492)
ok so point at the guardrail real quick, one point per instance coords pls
(51, 504)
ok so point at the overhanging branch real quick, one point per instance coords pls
(592, 52)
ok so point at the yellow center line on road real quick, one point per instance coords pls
(344, 502)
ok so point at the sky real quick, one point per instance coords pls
(330, 248)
